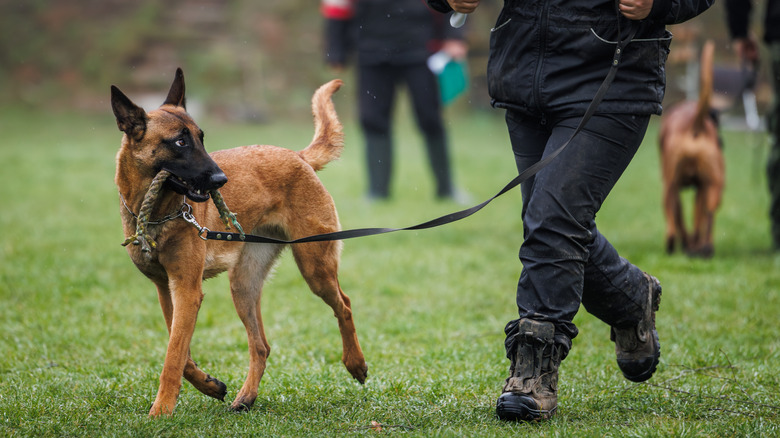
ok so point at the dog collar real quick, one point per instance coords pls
(184, 207)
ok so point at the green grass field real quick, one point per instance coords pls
(83, 339)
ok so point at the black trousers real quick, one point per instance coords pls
(566, 260)
(773, 160)
(376, 97)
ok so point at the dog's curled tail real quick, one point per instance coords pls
(705, 86)
(328, 138)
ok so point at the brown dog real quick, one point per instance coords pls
(691, 156)
(274, 191)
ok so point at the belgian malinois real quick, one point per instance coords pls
(692, 156)
(273, 191)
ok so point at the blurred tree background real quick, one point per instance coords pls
(251, 60)
(254, 54)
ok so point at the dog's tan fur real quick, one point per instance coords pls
(691, 155)
(274, 192)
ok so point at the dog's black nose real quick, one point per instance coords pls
(218, 180)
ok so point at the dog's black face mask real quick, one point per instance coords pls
(169, 139)
(194, 173)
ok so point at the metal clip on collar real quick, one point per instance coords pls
(186, 214)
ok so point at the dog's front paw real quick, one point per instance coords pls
(215, 388)
(242, 404)
(161, 409)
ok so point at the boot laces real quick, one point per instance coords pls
(539, 374)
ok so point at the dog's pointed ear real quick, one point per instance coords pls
(176, 93)
(130, 118)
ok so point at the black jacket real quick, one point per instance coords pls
(548, 57)
(738, 18)
(398, 32)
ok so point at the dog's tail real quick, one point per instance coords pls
(705, 87)
(328, 138)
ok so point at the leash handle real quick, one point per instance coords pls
(458, 215)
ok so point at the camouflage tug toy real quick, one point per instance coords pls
(150, 199)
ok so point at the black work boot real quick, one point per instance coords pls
(531, 391)
(637, 347)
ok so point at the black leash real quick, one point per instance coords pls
(456, 216)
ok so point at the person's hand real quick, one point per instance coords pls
(457, 49)
(746, 49)
(635, 9)
(463, 6)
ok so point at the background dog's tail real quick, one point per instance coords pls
(328, 138)
(705, 87)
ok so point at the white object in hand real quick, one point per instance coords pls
(457, 19)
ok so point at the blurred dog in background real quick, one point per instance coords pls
(692, 156)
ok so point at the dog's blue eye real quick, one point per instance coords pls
(181, 143)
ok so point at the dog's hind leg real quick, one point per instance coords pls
(318, 263)
(246, 285)
(203, 382)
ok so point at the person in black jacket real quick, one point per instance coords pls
(547, 60)
(738, 14)
(393, 40)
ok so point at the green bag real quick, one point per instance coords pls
(452, 75)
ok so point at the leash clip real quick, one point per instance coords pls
(186, 214)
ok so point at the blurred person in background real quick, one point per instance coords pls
(393, 40)
(738, 14)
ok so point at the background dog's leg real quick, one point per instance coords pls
(707, 201)
(699, 219)
(199, 379)
(318, 263)
(246, 286)
(675, 228)
(186, 298)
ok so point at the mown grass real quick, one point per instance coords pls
(83, 338)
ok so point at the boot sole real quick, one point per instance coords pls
(517, 407)
(646, 375)
(655, 304)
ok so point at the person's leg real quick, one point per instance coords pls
(424, 94)
(624, 297)
(559, 208)
(559, 218)
(532, 347)
(376, 94)
(613, 288)
(773, 160)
